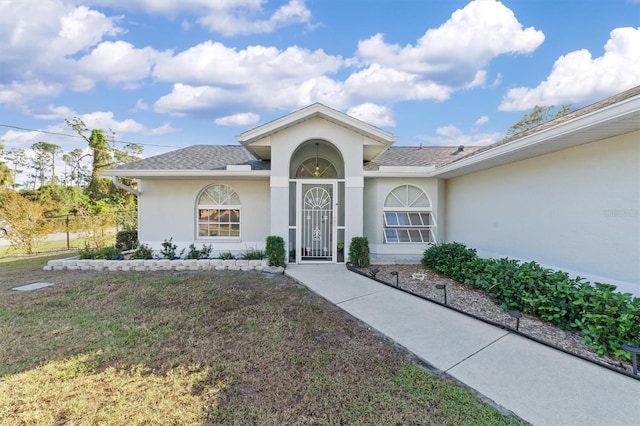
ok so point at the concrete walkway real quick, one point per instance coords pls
(541, 385)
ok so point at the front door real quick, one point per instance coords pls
(316, 222)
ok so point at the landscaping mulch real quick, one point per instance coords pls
(476, 302)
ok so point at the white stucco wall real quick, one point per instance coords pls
(375, 192)
(167, 209)
(574, 210)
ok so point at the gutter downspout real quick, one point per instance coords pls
(116, 182)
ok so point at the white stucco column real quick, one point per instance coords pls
(354, 187)
(280, 206)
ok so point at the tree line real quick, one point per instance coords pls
(79, 190)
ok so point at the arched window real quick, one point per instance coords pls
(218, 212)
(317, 168)
(408, 217)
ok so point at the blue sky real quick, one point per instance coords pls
(168, 73)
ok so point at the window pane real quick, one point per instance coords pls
(234, 215)
(415, 219)
(203, 230)
(223, 230)
(426, 218)
(415, 235)
(403, 236)
(403, 219)
(234, 231)
(426, 235)
(391, 219)
(390, 235)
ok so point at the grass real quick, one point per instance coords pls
(204, 348)
(55, 245)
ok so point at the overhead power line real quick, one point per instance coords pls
(68, 135)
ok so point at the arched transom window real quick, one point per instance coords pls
(218, 212)
(408, 217)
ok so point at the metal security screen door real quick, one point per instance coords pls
(316, 222)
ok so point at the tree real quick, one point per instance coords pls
(539, 115)
(78, 172)
(6, 175)
(26, 218)
(45, 159)
(18, 158)
(104, 155)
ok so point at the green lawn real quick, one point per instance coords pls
(52, 246)
(204, 348)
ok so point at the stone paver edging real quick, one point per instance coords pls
(160, 265)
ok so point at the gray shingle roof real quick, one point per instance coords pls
(199, 157)
(416, 156)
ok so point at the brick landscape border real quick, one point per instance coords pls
(160, 265)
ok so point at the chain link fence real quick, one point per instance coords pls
(79, 231)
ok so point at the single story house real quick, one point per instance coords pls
(565, 194)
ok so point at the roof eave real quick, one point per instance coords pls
(314, 110)
(187, 174)
(624, 115)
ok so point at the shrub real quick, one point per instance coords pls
(450, 259)
(142, 252)
(606, 318)
(253, 254)
(107, 253)
(127, 240)
(275, 251)
(168, 250)
(194, 253)
(226, 255)
(359, 252)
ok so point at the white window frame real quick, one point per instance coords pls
(223, 205)
(404, 221)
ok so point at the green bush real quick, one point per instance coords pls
(449, 259)
(226, 255)
(605, 318)
(275, 251)
(252, 254)
(203, 253)
(107, 253)
(168, 250)
(127, 240)
(142, 252)
(359, 252)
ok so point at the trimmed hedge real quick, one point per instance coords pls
(359, 252)
(605, 318)
(275, 251)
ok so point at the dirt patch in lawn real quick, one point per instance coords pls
(476, 302)
(249, 347)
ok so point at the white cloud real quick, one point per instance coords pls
(452, 136)
(242, 21)
(52, 112)
(578, 77)
(140, 106)
(453, 54)
(39, 42)
(117, 62)
(227, 17)
(18, 93)
(214, 63)
(162, 130)
(387, 84)
(241, 119)
(482, 120)
(376, 115)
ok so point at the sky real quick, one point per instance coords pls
(174, 73)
